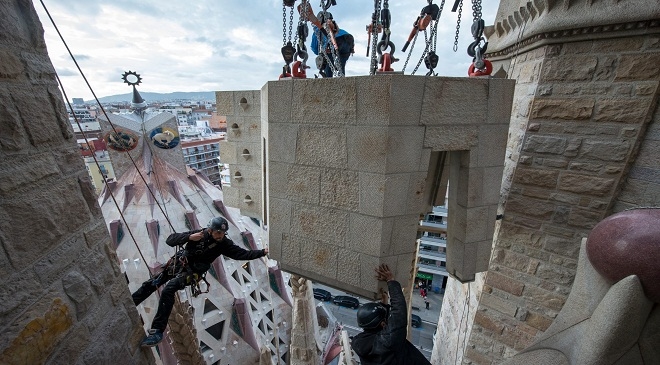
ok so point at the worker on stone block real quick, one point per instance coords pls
(383, 341)
(187, 267)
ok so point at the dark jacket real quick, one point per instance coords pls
(202, 253)
(388, 346)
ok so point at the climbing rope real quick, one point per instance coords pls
(98, 165)
(114, 199)
(103, 111)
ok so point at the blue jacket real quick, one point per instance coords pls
(324, 39)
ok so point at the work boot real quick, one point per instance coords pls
(154, 337)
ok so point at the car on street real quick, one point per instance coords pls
(346, 301)
(415, 321)
(322, 295)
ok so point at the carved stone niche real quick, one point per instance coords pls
(352, 164)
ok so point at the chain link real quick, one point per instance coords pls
(458, 25)
(290, 22)
(283, 24)
(335, 63)
(476, 10)
(374, 38)
(431, 41)
(412, 46)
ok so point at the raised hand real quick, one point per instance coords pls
(383, 273)
(196, 236)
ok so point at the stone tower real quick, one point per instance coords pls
(63, 295)
(583, 144)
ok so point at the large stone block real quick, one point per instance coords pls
(325, 101)
(455, 101)
(21, 173)
(304, 184)
(567, 108)
(321, 146)
(282, 142)
(357, 174)
(276, 99)
(340, 189)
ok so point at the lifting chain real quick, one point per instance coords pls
(374, 28)
(458, 22)
(287, 47)
(385, 59)
(302, 31)
(323, 59)
(429, 17)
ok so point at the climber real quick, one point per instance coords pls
(341, 39)
(187, 266)
(383, 340)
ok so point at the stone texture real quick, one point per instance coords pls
(622, 111)
(574, 68)
(638, 67)
(508, 285)
(336, 97)
(321, 146)
(568, 109)
(40, 336)
(304, 184)
(615, 151)
(585, 184)
(542, 178)
(618, 319)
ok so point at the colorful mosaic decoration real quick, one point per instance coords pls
(165, 138)
(121, 140)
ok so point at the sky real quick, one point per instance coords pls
(220, 45)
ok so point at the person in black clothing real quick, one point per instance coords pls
(383, 341)
(201, 248)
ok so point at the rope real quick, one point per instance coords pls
(151, 151)
(96, 161)
(512, 65)
(103, 110)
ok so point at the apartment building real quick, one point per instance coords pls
(432, 254)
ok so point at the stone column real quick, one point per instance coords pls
(64, 300)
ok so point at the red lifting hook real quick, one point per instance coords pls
(386, 63)
(488, 68)
(298, 70)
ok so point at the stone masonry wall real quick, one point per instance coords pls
(642, 188)
(64, 300)
(583, 126)
(243, 112)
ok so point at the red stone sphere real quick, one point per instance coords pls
(628, 243)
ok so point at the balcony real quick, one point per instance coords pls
(433, 241)
(433, 255)
(432, 269)
(426, 226)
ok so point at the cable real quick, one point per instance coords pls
(102, 109)
(75, 117)
(512, 65)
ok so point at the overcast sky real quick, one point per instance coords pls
(212, 45)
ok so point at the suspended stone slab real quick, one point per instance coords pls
(351, 163)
